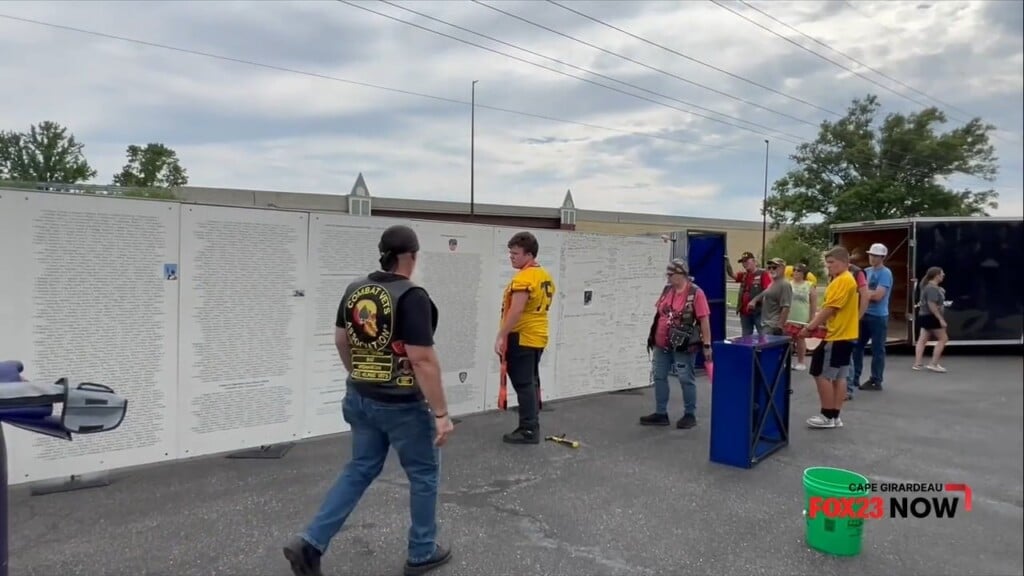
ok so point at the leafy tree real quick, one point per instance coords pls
(859, 169)
(152, 166)
(791, 246)
(46, 153)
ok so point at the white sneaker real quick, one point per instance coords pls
(820, 421)
(800, 367)
(935, 368)
(839, 422)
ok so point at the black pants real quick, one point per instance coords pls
(523, 366)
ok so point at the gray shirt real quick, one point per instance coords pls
(931, 293)
(778, 296)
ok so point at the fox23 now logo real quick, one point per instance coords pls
(944, 505)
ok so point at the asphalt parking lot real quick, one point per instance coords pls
(630, 501)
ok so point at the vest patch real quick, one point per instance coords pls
(370, 330)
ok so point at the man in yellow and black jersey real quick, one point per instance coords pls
(523, 333)
(384, 332)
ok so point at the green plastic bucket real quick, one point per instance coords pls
(836, 536)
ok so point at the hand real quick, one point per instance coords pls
(803, 333)
(444, 429)
(751, 305)
(499, 346)
(708, 355)
(650, 345)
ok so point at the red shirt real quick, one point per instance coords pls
(676, 301)
(862, 281)
(746, 281)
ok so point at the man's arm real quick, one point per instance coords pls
(515, 310)
(344, 351)
(863, 293)
(341, 337)
(737, 276)
(416, 328)
(884, 284)
(785, 302)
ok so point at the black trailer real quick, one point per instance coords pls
(982, 258)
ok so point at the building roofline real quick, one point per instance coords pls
(244, 197)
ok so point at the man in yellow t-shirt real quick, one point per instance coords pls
(810, 277)
(523, 333)
(830, 364)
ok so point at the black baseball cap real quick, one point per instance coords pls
(398, 239)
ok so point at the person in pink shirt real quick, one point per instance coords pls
(681, 327)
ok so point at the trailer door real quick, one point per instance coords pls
(981, 259)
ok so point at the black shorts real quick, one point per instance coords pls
(831, 359)
(522, 363)
(928, 322)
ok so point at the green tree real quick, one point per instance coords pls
(46, 153)
(152, 166)
(791, 246)
(860, 169)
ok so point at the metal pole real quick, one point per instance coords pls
(472, 153)
(764, 209)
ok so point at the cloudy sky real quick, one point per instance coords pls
(297, 122)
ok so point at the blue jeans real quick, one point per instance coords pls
(376, 426)
(751, 322)
(875, 329)
(661, 363)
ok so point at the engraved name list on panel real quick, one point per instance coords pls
(245, 275)
(101, 314)
(340, 253)
(453, 280)
(588, 337)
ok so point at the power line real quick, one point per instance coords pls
(882, 161)
(570, 65)
(638, 63)
(694, 60)
(589, 81)
(855, 61)
(361, 84)
(806, 49)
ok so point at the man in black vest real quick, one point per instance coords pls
(384, 333)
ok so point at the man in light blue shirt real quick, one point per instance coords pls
(875, 322)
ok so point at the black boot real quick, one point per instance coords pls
(304, 558)
(441, 557)
(522, 436)
(654, 419)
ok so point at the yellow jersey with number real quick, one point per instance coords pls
(532, 326)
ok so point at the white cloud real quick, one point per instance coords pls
(236, 125)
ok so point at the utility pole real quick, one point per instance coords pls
(472, 152)
(764, 209)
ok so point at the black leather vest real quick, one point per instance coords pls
(379, 362)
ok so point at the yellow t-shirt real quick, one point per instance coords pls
(810, 276)
(842, 295)
(533, 323)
